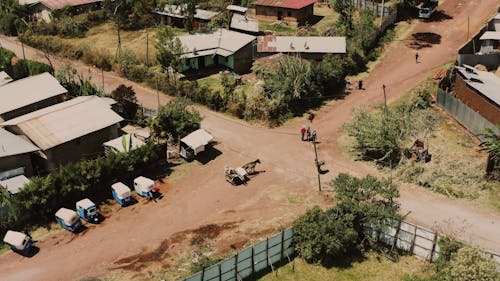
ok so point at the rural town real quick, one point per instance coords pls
(213, 140)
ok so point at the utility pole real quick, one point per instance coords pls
(157, 93)
(382, 16)
(468, 27)
(22, 46)
(102, 76)
(318, 164)
(147, 47)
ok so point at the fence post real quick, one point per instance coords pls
(236, 266)
(220, 271)
(267, 250)
(202, 273)
(253, 261)
(413, 241)
(394, 244)
(282, 244)
(433, 246)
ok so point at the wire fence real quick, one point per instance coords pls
(402, 235)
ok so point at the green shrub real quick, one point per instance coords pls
(23, 68)
(203, 262)
(6, 57)
(96, 17)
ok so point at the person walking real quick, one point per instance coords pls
(360, 84)
(303, 132)
(416, 57)
(308, 133)
(313, 136)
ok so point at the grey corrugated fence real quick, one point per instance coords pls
(249, 261)
(372, 6)
(470, 119)
(411, 238)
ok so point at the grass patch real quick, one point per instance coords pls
(278, 28)
(104, 38)
(373, 268)
(329, 17)
(212, 82)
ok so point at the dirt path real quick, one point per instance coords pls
(288, 185)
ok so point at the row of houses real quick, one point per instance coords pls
(40, 129)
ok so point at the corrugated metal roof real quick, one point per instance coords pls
(237, 8)
(178, 11)
(4, 78)
(29, 90)
(223, 39)
(130, 141)
(242, 22)
(497, 16)
(11, 144)
(301, 44)
(490, 35)
(65, 121)
(488, 84)
(197, 138)
(291, 4)
(58, 4)
(15, 184)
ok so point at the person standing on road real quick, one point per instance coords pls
(416, 57)
(303, 132)
(313, 136)
(308, 133)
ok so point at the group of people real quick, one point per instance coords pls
(307, 135)
(348, 84)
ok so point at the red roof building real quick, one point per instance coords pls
(293, 12)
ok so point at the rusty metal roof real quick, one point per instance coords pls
(291, 4)
(58, 4)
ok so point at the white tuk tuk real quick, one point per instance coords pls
(121, 193)
(18, 241)
(145, 187)
(68, 219)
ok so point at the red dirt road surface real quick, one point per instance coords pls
(288, 185)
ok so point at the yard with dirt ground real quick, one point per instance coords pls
(150, 236)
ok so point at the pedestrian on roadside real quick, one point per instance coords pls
(416, 57)
(360, 84)
(311, 117)
(303, 132)
(308, 133)
(313, 136)
(347, 84)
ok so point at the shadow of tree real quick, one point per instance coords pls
(422, 40)
(440, 16)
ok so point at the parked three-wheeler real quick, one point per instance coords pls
(87, 210)
(68, 219)
(18, 242)
(145, 187)
(121, 193)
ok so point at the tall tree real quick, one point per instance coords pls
(176, 120)
(169, 49)
(345, 9)
(126, 101)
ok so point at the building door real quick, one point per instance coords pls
(280, 15)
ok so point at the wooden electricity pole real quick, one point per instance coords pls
(317, 164)
(385, 101)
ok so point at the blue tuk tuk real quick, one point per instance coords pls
(87, 210)
(18, 242)
(68, 219)
(122, 194)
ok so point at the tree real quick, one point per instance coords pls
(176, 120)
(76, 84)
(345, 9)
(169, 49)
(320, 236)
(9, 212)
(470, 264)
(491, 144)
(368, 200)
(126, 101)
(190, 12)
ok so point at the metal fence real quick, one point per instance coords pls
(411, 238)
(372, 6)
(470, 119)
(249, 261)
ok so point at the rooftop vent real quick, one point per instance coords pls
(306, 46)
(291, 46)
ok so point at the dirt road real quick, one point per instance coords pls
(288, 185)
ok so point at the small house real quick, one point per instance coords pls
(29, 94)
(15, 155)
(310, 47)
(222, 47)
(194, 143)
(242, 23)
(175, 15)
(293, 12)
(14, 184)
(490, 42)
(42, 9)
(69, 131)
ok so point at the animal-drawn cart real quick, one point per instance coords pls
(240, 175)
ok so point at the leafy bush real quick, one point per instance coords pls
(126, 101)
(23, 68)
(5, 57)
(469, 264)
(203, 262)
(76, 84)
(176, 120)
(320, 236)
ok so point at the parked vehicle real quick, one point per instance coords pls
(87, 210)
(68, 219)
(18, 242)
(122, 193)
(145, 187)
(427, 9)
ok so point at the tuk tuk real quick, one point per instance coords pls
(18, 242)
(87, 210)
(145, 187)
(121, 193)
(68, 219)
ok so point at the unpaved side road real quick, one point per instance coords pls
(288, 185)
